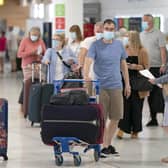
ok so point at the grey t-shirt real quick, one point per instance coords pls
(152, 41)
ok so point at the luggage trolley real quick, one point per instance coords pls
(64, 144)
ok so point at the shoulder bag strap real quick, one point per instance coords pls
(59, 55)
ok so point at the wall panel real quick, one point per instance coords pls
(14, 13)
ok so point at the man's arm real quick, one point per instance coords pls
(81, 56)
(86, 69)
(163, 59)
(124, 69)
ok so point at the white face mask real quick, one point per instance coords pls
(144, 25)
(99, 36)
(73, 35)
(33, 38)
(125, 41)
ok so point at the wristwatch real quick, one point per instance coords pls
(163, 65)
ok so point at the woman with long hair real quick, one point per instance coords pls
(137, 60)
(75, 39)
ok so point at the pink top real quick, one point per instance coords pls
(26, 48)
(2, 43)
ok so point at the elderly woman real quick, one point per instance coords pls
(59, 58)
(31, 50)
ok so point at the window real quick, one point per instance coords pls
(38, 11)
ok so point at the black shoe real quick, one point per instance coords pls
(152, 123)
(113, 151)
(105, 152)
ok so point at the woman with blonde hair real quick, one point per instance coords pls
(137, 60)
(31, 49)
(58, 68)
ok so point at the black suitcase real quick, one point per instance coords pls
(3, 128)
(80, 121)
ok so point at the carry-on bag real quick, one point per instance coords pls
(3, 128)
(47, 89)
(39, 94)
(26, 91)
(34, 103)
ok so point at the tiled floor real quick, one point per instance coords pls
(26, 149)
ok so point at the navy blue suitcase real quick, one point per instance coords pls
(3, 128)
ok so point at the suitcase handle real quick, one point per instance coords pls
(48, 73)
(33, 71)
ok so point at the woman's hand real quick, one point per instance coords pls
(34, 53)
(152, 81)
(70, 62)
(132, 66)
(47, 62)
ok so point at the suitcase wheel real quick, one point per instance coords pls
(5, 157)
(32, 123)
(77, 160)
(96, 155)
(25, 116)
(59, 160)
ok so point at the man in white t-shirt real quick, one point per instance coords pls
(85, 45)
(12, 45)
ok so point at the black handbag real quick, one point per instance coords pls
(72, 75)
(140, 83)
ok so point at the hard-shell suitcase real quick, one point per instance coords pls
(3, 128)
(80, 121)
(39, 95)
(26, 90)
(34, 103)
(47, 88)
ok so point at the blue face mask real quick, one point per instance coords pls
(99, 36)
(56, 43)
(125, 41)
(108, 35)
(73, 35)
(144, 25)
